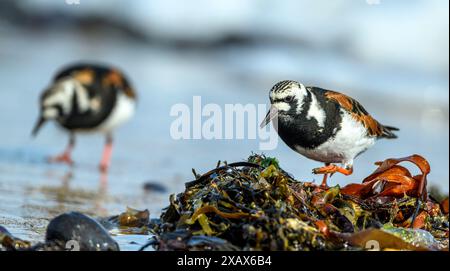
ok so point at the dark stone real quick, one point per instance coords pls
(154, 187)
(4, 231)
(85, 233)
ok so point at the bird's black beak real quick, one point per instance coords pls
(38, 126)
(273, 113)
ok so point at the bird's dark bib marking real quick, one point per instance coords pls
(297, 130)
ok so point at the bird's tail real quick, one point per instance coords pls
(387, 131)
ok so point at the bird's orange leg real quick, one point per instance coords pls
(331, 169)
(325, 177)
(106, 157)
(65, 157)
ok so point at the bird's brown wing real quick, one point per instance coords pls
(374, 128)
(91, 75)
(116, 79)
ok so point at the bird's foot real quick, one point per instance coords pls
(331, 169)
(103, 167)
(62, 158)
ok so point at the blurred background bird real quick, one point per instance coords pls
(87, 98)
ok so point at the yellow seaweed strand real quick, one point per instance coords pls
(212, 209)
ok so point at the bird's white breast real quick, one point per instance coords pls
(123, 110)
(348, 142)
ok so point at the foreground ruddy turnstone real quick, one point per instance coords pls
(323, 125)
(87, 98)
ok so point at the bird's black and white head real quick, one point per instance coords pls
(57, 101)
(286, 98)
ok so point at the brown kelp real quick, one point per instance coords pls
(256, 205)
(8, 242)
(131, 221)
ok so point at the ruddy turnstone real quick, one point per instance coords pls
(323, 125)
(87, 98)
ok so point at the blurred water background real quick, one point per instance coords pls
(390, 55)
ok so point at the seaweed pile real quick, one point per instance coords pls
(256, 205)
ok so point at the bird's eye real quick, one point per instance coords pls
(288, 99)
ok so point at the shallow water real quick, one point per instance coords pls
(33, 191)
